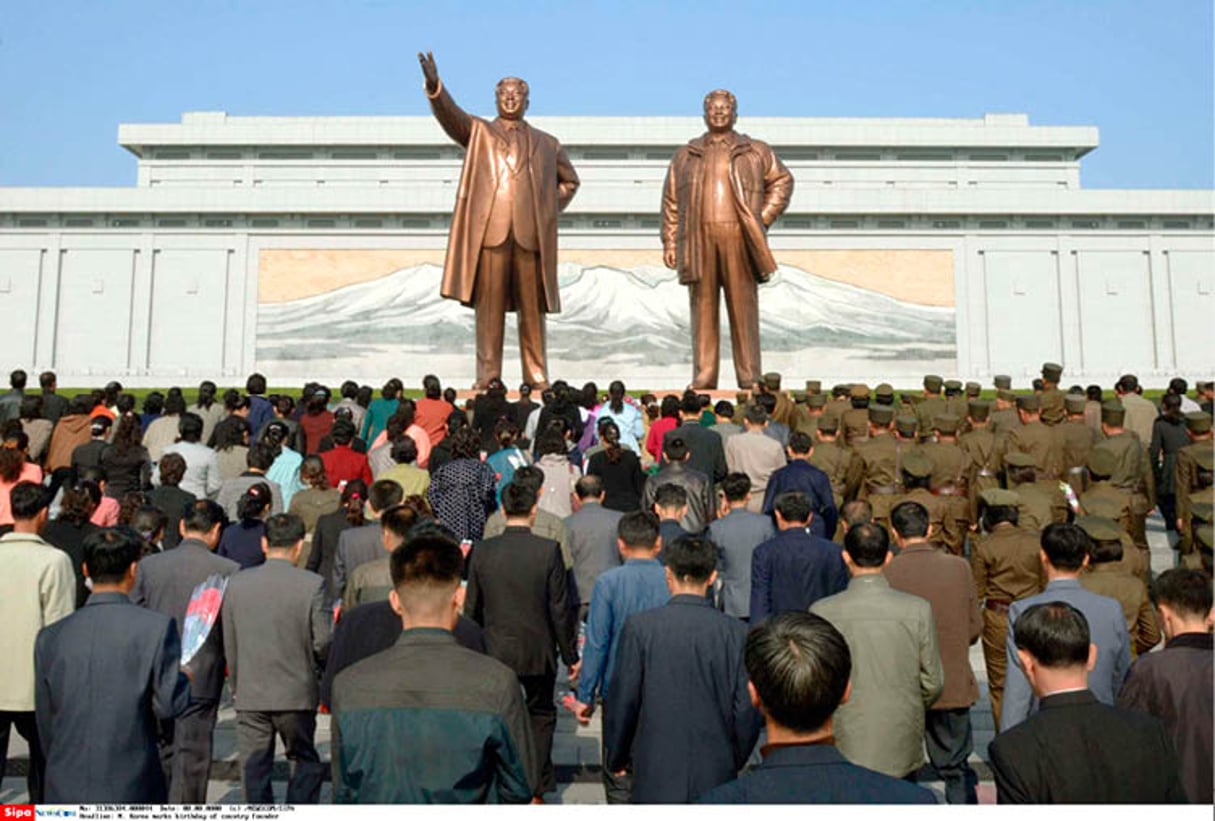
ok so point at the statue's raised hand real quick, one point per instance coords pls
(429, 71)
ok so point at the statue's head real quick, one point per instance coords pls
(721, 111)
(512, 98)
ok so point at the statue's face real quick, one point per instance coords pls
(512, 98)
(720, 113)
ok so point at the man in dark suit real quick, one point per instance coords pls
(737, 532)
(706, 452)
(517, 591)
(165, 583)
(794, 570)
(798, 666)
(802, 477)
(104, 679)
(592, 535)
(276, 632)
(358, 545)
(701, 503)
(1076, 750)
(678, 707)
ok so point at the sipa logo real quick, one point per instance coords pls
(16, 811)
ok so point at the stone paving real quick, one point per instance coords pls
(576, 748)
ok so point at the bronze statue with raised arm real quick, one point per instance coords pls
(723, 190)
(502, 249)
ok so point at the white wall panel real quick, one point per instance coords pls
(20, 272)
(1116, 312)
(189, 292)
(1022, 310)
(92, 330)
(1192, 288)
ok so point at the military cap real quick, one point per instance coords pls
(798, 396)
(1052, 372)
(1203, 535)
(1019, 459)
(829, 425)
(973, 389)
(1113, 413)
(741, 398)
(1202, 512)
(912, 398)
(1099, 528)
(978, 409)
(859, 391)
(932, 383)
(881, 414)
(1029, 402)
(1002, 382)
(998, 497)
(953, 385)
(1074, 402)
(884, 391)
(840, 390)
(814, 386)
(1198, 422)
(1102, 462)
(816, 400)
(772, 381)
(1203, 458)
(906, 425)
(1006, 395)
(917, 464)
(946, 424)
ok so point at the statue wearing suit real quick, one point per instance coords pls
(723, 190)
(502, 250)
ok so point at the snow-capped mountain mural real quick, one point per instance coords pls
(627, 322)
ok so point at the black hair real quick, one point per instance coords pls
(404, 451)
(910, 520)
(254, 502)
(1186, 590)
(691, 559)
(736, 486)
(724, 408)
(690, 403)
(391, 388)
(175, 402)
(398, 520)
(1055, 634)
(149, 522)
(1093, 393)
(1128, 383)
(17, 379)
(529, 475)
(670, 496)
(992, 515)
(232, 433)
(384, 494)
(431, 386)
(756, 415)
(609, 436)
(431, 558)
(172, 469)
(284, 530)
(1102, 551)
(465, 444)
(856, 512)
(47, 380)
(867, 544)
(27, 500)
(799, 664)
(518, 499)
(589, 487)
(234, 400)
(260, 456)
(154, 403)
(766, 401)
(343, 431)
(109, 553)
(78, 503)
(669, 406)
(616, 396)
(312, 473)
(255, 384)
(31, 407)
(800, 442)
(794, 507)
(190, 427)
(1065, 545)
(349, 389)
(353, 497)
(675, 449)
(638, 529)
(912, 482)
(550, 442)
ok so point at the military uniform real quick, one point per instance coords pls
(879, 465)
(955, 400)
(785, 411)
(854, 422)
(1185, 473)
(1037, 440)
(950, 478)
(932, 405)
(1042, 503)
(1052, 400)
(985, 453)
(1109, 578)
(836, 461)
(1131, 470)
(1005, 420)
(836, 406)
(1076, 440)
(1006, 568)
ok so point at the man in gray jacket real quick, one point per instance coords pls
(737, 533)
(896, 667)
(276, 633)
(592, 535)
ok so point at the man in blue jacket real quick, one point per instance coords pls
(801, 476)
(795, 569)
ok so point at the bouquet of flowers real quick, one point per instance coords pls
(201, 616)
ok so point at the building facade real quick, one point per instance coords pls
(313, 248)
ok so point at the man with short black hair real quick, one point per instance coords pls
(53, 405)
(1064, 555)
(592, 534)
(701, 509)
(896, 666)
(737, 532)
(679, 704)
(277, 628)
(106, 677)
(518, 591)
(755, 454)
(260, 409)
(10, 403)
(388, 701)
(1077, 750)
(705, 451)
(1140, 413)
(803, 477)
(37, 588)
(372, 581)
(794, 569)
(1175, 685)
(546, 525)
(165, 584)
(799, 667)
(671, 508)
(725, 426)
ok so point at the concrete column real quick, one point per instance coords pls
(139, 335)
(48, 303)
(1070, 336)
(1165, 359)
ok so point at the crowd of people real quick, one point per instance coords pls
(770, 600)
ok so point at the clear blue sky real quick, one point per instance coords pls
(1142, 72)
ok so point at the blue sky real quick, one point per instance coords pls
(1140, 71)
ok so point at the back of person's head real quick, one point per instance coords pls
(550, 443)
(736, 487)
(588, 487)
(343, 432)
(691, 559)
(506, 431)
(756, 415)
(349, 389)
(190, 427)
(531, 476)
(1185, 591)
(397, 521)
(689, 404)
(17, 379)
(910, 520)
(669, 407)
(149, 522)
(154, 403)
(1128, 383)
(100, 426)
(284, 531)
(312, 473)
(1093, 393)
(384, 494)
(404, 451)
(391, 388)
(175, 402)
(109, 553)
(78, 503)
(616, 394)
(202, 516)
(1104, 551)
(800, 442)
(431, 386)
(992, 515)
(234, 400)
(724, 409)
(675, 449)
(856, 512)
(254, 502)
(867, 545)
(172, 469)
(465, 444)
(260, 456)
(48, 380)
(1170, 403)
(12, 454)
(638, 530)
(518, 500)
(767, 401)
(27, 500)
(1065, 545)
(794, 507)
(130, 504)
(255, 384)
(426, 571)
(799, 664)
(1054, 633)
(354, 496)
(670, 497)
(284, 405)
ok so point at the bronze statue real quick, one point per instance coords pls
(502, 250)
(723, 190)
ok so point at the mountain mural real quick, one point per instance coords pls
(610, 319)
